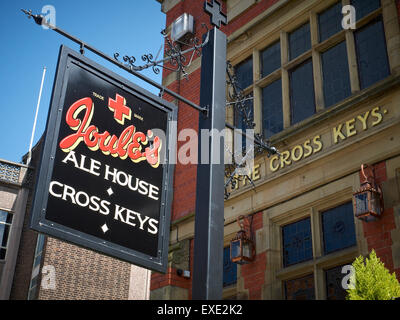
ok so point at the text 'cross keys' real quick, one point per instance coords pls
(214, 9)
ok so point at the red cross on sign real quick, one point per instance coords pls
(121, 110)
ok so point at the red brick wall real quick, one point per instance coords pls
(378, 233)
(185, 175)
(159, 280)
(171, 278)
(254, 273)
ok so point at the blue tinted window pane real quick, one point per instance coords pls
(2, 226)
(338, 228)
(230, 269)
(297, 244)
(4, 232)
(3, 216)
(300, 289)
(334, 288)
(302, 99)
(330, 21)
(271, 59)
(372, 58)
(336, 77)
(299, 41)
(272, 108)
(244, 73)
(364, 7)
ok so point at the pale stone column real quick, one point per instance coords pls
(139, 286)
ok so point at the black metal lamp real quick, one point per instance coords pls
(242, 246)
(368, 201)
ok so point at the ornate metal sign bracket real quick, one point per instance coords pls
(129, 61)
(238, 101)
(174, 55)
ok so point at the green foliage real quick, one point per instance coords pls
(372, 281)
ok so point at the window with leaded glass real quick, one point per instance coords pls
(330, 21)
(271, 59)
(338, 228)
(336, 77)
(297, 242)
(5, 227)
(334, 287)
(364, 7)
(372, 59)
(299, 41)
(300, 289)
(244, 73)
(302, 98)
(230, 269)
(272, 114)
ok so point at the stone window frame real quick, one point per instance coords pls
(388, 11)
(321, 261)
(10, 225)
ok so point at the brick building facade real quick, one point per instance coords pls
(326, 124)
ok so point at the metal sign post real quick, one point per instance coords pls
(209, 217)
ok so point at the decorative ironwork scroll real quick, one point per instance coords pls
(174, 56)
(238, 100)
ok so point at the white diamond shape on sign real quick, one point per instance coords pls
(110, 191)
(104, 228)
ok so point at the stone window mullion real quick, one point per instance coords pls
(352, 57)
(392, 34)
(316, 233)
(320, 283)
(316, 59)
(285, 80)
(317, 252)
(257, 100)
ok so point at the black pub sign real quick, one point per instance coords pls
(105, 182)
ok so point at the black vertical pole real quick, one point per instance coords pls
(209, 215)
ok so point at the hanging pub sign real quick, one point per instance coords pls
(105, 181)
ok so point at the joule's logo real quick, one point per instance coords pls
(49, 14)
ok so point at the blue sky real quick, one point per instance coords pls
(126, 26)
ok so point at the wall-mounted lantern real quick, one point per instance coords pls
(368, 201)
(242, 246)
